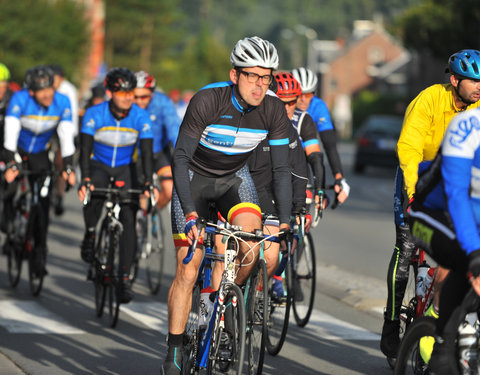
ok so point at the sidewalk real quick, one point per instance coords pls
(7, 367)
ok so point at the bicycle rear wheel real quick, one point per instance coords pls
(257, 310)
(14, 262)
(155, 252)
(227, 349)
(191, 336)
(303, 281)
(409, 360)
(279, 313)
(113, 288)
(101, 278)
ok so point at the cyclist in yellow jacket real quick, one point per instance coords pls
(424, 125)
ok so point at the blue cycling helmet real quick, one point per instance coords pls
(465, 63)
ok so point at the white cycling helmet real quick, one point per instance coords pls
(254, 51)
(307, 79)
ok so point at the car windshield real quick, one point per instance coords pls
(384, 124)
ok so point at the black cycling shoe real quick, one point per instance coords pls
(225, 351)
(88, 247)
(39, 268)
(443, 360)
(390, 340)
(173, 361)
(125, 292)
(59, 210)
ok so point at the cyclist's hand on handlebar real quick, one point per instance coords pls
(342, 189)
(191, 230)
(69, 175)
(82, 189)
(11, 171)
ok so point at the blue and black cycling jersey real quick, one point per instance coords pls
(29, 125)
(114, 140)
(318, 110)
(220, 131)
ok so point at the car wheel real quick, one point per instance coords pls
(358, 168)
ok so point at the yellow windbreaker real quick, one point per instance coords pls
(424, 125)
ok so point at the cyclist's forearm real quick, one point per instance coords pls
(146, 147)
(315, 159)
(282, 183)
(181, 158)
(86, 148)
(329, 141)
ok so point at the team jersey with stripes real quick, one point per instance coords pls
(220, 131)
(114, 140)
(29, 125)
(305, 128)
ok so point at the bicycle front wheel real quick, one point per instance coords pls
(303, 281)
(192, 335)
(156, 251)
(113, 288)
(227, 349)
(37, 254)
(409, 360)
(101, 278)
(257, 309)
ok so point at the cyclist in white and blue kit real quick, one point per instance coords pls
(34, 114)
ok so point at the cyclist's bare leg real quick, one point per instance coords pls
(166, 187)
(180, 293)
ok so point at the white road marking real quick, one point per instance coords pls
(324, 326)
(31, 317)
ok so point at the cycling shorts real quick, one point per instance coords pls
(232, 194)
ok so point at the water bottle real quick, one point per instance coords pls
(206, 306)
(467, 348)
(422, 284)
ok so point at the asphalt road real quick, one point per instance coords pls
(58, 332)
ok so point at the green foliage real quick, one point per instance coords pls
(370, 102)
(441, 26)
(42, 32)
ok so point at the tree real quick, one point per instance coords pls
(441, 27)
(42, 32)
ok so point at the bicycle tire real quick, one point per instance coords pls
(409, 360)
(304, 280)
(101, 277)
(277, 323)
(36, 253)
(15, 241)
(257, 310)
(113, 288)
(14, 261)
(192, 335)
(156, 253)
(236, 314)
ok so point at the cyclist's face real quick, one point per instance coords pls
(123, 99)
(143, 97)
(304, 101)
(44, 96)
(252, 93)
(290, 105)
(3, 88)
(469, 89)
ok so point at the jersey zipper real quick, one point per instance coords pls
(32, 142)
(115, 147)
(239, 121)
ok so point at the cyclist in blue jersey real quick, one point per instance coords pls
(110, 133)
(166, 124)
(318, 110)
(223, 124)
(34, 114)
(445, 220)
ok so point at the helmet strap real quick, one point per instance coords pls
(117, 112)
(459, 96)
